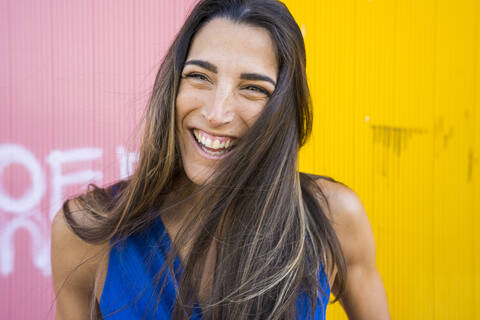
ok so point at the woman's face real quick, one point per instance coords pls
(228, 76)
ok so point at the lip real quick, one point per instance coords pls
(203, 153)
(213, 134)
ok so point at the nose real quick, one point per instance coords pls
(219, 110)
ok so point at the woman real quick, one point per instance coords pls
(216, 221)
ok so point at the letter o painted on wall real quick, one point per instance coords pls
(11, 153)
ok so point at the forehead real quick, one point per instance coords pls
(235, 45)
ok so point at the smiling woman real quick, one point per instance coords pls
(228, 77)
(216, 222)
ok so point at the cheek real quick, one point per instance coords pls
(185, 103)
(250, 111)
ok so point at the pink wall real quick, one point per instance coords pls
(74, 78)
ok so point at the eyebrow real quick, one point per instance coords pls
(203, 64)
(245, 76)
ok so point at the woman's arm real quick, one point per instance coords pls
(365, 296)
(73, 268)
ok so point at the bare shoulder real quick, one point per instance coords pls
(346, 206)
(364, 296)
(349, 220)
(343, 201)
(74, 266)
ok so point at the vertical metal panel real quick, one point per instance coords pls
(396, 102)
(74, 78)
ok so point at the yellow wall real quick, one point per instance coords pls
(396, 93)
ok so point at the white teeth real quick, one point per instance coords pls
(216, 144)
(208, 143)
(214, 153)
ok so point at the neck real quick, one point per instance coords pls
(180, 199)
(176, 206)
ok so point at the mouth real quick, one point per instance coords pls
(212, 147)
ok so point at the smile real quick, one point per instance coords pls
(213, 147)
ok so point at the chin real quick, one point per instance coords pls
(197, 174)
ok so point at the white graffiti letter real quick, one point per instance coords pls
(127, 160)
(11, 153)
(56, 159)
(40, 245)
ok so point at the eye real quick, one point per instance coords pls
(258, 89)
(198, 76)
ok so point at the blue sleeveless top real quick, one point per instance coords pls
(130, 292)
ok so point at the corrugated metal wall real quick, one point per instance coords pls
(396, 93)
(74, 78)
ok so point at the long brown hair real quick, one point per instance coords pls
(270, 224)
